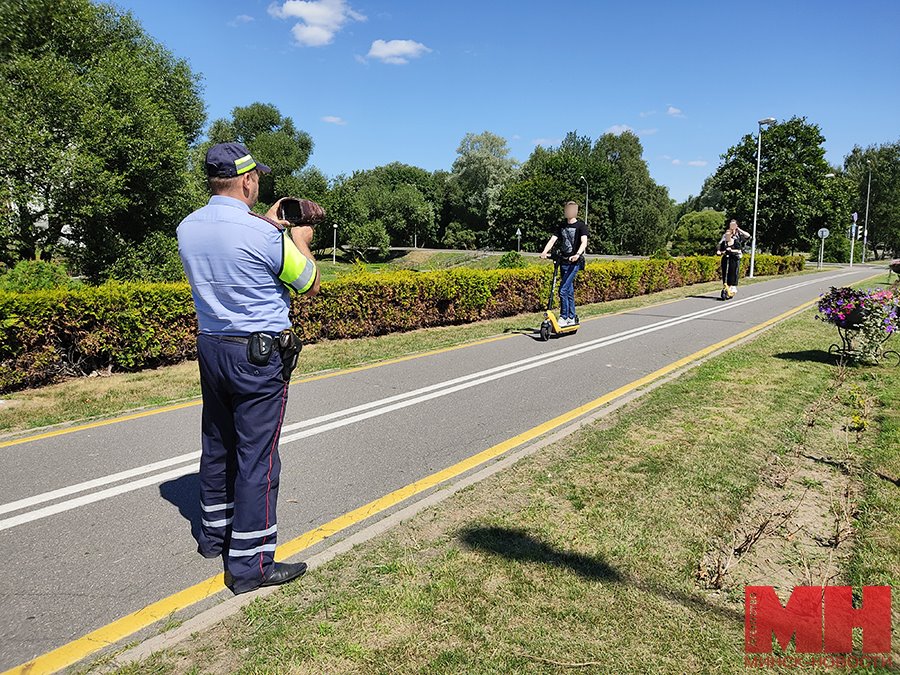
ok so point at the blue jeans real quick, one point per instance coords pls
(567, 289)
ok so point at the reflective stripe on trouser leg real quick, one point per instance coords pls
(260, 397)
(217, 458)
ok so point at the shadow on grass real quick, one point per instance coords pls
(520, 546)
(809, 355)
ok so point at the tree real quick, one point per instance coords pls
(272, 139)
(349, 208)
(884, 201)
(95, 124)
(698, 232)
(628, 211)
(481, 169)
(792, 184)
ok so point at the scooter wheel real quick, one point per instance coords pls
(724, 294)
(545, 331)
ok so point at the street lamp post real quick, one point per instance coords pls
(334, 246)
(587, 191)
(767, 121)
(866, 222)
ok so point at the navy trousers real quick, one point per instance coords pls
(567, 273)
(243, 409)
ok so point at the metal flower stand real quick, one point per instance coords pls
(845, 350)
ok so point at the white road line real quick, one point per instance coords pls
(337, 419)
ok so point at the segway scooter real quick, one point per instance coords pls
(550, 325)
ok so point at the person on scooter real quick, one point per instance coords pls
(731, 248)
(572, 235)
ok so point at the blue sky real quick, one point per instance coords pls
(375, 82)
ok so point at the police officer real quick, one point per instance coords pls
(240, 267)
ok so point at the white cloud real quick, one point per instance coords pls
(516, 137)
(618, 129)
(665, 157)
(397, 52)
(672, 111)
(676, 162)
(334, 119)
(698, 162)
(546, 142)
(240, 19)
(319, 20)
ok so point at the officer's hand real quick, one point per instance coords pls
(305, 232)
(273, 213)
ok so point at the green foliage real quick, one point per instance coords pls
(49, 335)
(628, 212)
(271, 137)
(698, 232)
(459, 236)
(793, 189)
(511, 260)
(837, 248)
(36, 275)
(482, 169)
(154, 259)
(884, 200)
(95, 123)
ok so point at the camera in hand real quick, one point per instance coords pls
(300, 211)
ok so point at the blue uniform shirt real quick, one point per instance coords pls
(233, 260)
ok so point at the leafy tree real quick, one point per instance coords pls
(358, 233)
(481, 169)
(272, 139)
(884, 201)
(792, 186)
(628, 211)
(95, 123)
(698, 232)
(155, 259)
(458, 235)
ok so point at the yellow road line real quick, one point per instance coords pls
(112, 633)
(311, 378)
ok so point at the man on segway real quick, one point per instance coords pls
(572, 235)
(731, 248)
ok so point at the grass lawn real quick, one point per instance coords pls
(594, 553)
(86, 398)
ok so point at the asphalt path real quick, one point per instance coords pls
(97, 523)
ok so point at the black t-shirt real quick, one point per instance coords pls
(568, 236)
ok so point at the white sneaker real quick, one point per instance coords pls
(565, 322)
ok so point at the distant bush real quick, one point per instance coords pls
(48, 335)
(154, 259)
(36, 275)
(698, 232)
(458, 236)
(511, 260)
(837, 249)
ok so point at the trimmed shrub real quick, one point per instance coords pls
(511, 260)
(36, 275)
(46, 336)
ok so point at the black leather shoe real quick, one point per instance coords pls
(283, 572)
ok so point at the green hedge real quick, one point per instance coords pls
(46, 336)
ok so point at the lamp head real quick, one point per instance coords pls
(767, 120)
